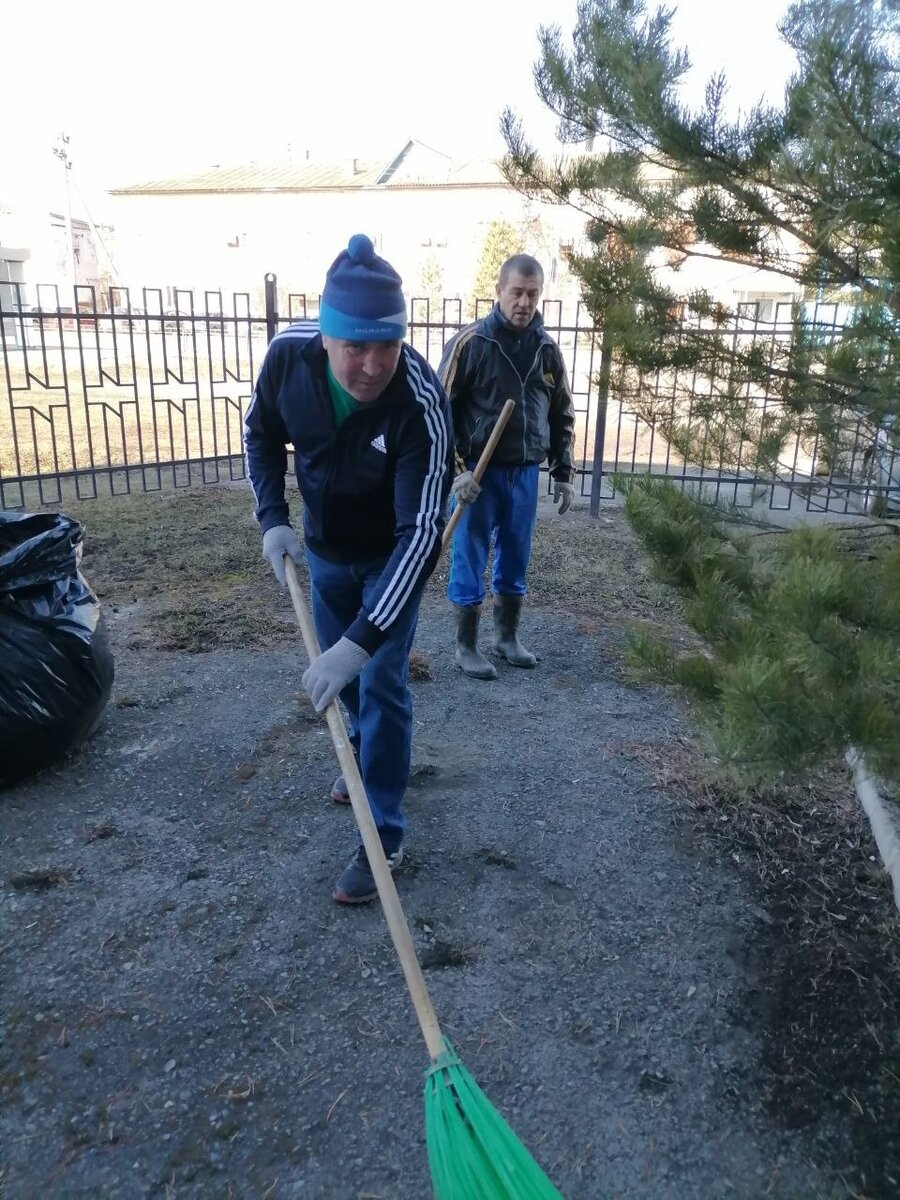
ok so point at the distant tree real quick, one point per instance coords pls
(501, 242)
(430, 286)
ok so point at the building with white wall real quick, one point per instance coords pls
(225, 228)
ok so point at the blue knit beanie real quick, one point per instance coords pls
(362, 300)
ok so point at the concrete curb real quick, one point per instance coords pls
(883, 817)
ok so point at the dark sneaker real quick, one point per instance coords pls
(357, 883)
(340, 793)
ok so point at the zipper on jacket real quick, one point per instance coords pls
(522, 383)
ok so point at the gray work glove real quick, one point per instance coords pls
(332, 671)
(465, 488)
(277, 542)
(563, 495)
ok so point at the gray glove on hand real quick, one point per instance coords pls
(465, 488)
(332, 671)
(277, 542)
(563, 494)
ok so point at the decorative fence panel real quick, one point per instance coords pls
(145, 390)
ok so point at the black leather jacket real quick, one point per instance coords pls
(488, 362)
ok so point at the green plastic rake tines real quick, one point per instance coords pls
(472, 1152)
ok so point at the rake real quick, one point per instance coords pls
(473, 1154)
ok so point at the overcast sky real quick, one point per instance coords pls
(152, 89)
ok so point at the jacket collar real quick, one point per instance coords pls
(496, 325)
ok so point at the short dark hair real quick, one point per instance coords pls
(522, 264)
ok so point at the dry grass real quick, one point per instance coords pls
(419, 667)
(595, 570)
(186, 567)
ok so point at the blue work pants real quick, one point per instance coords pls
(506, 512)
(378, 700)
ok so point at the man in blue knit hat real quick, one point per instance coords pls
(370, 427)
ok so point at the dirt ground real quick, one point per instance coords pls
(668, 989)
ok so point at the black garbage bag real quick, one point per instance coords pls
(56, 667)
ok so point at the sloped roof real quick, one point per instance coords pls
(262, 177)
(416, 166)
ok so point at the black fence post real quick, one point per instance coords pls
(600, 425)
(271, 306)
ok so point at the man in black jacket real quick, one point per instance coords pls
(370, 428)
(507, 354)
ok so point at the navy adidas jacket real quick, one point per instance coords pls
(374, 488)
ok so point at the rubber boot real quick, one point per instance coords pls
(467, 656)
(507, 611)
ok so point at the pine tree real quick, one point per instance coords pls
(800, 661)
(810, 190)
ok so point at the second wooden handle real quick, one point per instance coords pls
(480, 467)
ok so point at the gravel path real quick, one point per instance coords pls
(189, 1014)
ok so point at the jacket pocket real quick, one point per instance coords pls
(537, 435)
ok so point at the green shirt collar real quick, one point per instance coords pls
(341, 400)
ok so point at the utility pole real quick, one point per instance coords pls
(61, 151)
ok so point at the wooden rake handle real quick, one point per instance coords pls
(479, 469)
(387, 891)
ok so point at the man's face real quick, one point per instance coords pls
(518, 298)
(364, 369)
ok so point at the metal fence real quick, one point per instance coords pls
(144, 391)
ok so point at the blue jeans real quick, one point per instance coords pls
(506, 510)
(378, 701)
